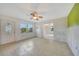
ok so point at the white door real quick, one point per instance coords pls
(48, 32)
(8, 31)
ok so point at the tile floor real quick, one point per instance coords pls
(36, 47)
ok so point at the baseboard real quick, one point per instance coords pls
(16, 41)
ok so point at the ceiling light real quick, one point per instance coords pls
(36, 16)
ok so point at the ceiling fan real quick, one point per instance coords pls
(36, 16)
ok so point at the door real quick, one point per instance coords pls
(48, 32)
(8, 31)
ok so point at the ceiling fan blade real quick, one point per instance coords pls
(40, 16)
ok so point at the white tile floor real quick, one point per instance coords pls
(36, 47)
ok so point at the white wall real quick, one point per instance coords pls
(73, 39)
(0, 29)
(39, 29)
(60, 29)
(18, 35)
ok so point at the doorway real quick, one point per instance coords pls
(48, 31)
(8, 31)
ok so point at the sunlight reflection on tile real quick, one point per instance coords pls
(26, 48)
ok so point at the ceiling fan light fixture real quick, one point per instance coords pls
(35, 16)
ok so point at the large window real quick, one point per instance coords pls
(26, 27)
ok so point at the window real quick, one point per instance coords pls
(26, 27)
(30, 27)
(8, 28)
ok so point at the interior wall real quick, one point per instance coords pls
(73, 29)
(60, 29)
(0, 30)
(18, 35)
(39, 29)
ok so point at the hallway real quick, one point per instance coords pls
(36, 47)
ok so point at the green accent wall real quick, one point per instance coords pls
(73, 17)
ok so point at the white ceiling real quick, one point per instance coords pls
(47, 10)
